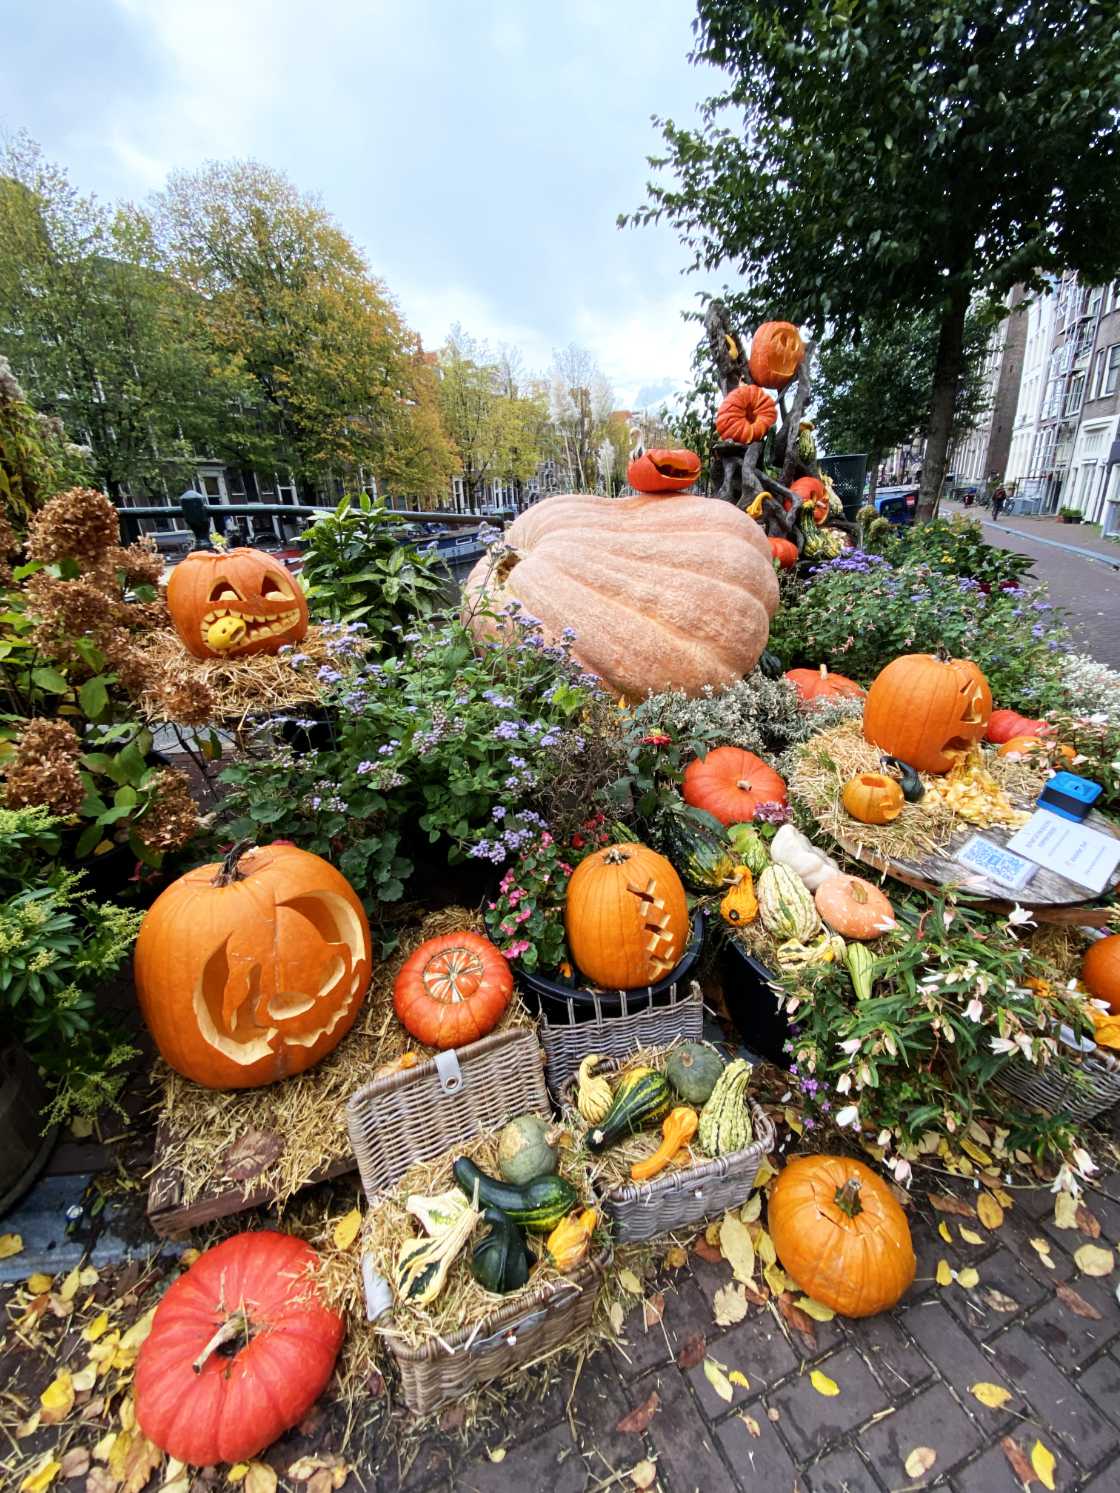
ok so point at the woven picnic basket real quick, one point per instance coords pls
(1080, 1095)
(421, 1113)
(687, 1195)
(566, 1044)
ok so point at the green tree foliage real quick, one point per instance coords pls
(496, 427)
(36, 460)
(896, 156)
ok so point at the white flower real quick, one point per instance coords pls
(949, 916)
(844, 1083)
(851, 1046)
(883, 1138)
(888, 925)
(849, 1115)
(1019, 917)
(890, 1044)
(902, 1171)
(975, 1009)
(1065, 1181)
(1025, 1045)
(1002, 1045)
(1084, 1162)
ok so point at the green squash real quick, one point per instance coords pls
(537, 1206)
(694, 842)
(693, 1069)
(500, 1261)
(785, 906)
(725, 1121)
(913, 789)
(748, 847)
(642, 1097)
(423, 1264)
(525, 1151)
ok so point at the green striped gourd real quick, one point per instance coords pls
(861, 965)
(423, 1263)
(537, 1206)
(642, 1097)
(725, 1121)
(785, 906)
(694, 842)
(749, 848)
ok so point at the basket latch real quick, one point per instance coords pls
(450, 1074)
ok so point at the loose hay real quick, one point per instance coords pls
(307, 1112)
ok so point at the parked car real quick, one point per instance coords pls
(898, 504)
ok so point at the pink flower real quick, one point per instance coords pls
(567, 870)
(516, 895)
(526, 912)
(517, 948)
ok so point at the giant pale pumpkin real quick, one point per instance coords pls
(776, 354)
(626, 917)
(663, 471)
(253, 969)
(926, 711)
(240, 1348)
(453, 990)
(745, 415)
(730, 784)
(663, 593)
(235, 602)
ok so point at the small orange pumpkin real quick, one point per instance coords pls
(731, 784)
(821, 684)
(813, 495)
(663, 471)
(784, 551)
(1035, 746)
(927, 711)
(237, 602)
(872, 798)
(746, 414)
(453, 990)
(853, 907)
(626, 917)
(776, 354)
(1100, 970)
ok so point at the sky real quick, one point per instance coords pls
(478, 151)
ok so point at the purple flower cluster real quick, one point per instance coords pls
(854, 562)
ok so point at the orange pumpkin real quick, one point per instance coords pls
(453, 990)
(927, 711)
(784, 551)
(252, 969)
(820, 684)
(626, 917)
(746, 414)
(853, 907)
(663, 593)
(1035, 746)
(841, 1235)
(1100, 970)
(813, 496)
(731, 783)
(663, 471)
(238, 602)
(873, 798)
(776, 354)
(1005, 724)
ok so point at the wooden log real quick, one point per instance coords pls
(731, 369)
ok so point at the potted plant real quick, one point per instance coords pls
(1069, 515)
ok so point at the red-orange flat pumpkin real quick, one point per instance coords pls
(731, 784)
(746, 414)
(453, 990)
(663, 471)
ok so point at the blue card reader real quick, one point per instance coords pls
(1070, 796)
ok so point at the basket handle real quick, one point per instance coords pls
(448, 1071)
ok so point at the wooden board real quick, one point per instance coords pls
(1049, 897)
(169, 1216)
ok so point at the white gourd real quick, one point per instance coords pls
(791, 848)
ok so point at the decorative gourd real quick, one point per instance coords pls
(821, 544)
(525, 1150)
(590, 563)
(812, 493)
(854, 907)
(626, 917)
(1100, 970)
(663, 471)
(692, 1069)
(254, 969)
(725, 1121)
(730, 784)
(643, 1097)
(794, 954)
(792, 849)
(776, 354)
(840, 1235)
(677, 1129)
(740, 906)
(402, 1064)
(695, 843)
(927, 711)
(240, 1348)
(570, 1241)
(1005, 724)
(537, 1206)
(745, 415)
(861, 969)
(452, 990)
(437, 1214)
(819, 684)
(423, 1264)
(235, 602)
(594, 1094)
(769, 665)
(784, 551)
(872, 798)
(748, 848)
(785, 906)
(913, 789)
(500, 1261)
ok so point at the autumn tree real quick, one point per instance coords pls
(899, 157)
(580, 401)
(493, 421)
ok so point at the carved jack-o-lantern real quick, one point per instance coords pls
(236, 603)
(254, 969)
(927, 711)
(663, 471)
(626, 917)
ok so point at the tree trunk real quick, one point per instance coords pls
(946, 381)
(872, 487)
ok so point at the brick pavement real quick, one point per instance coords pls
(904, 1382)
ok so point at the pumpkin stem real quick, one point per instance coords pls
(229, 871)
(616, 856)
(232, 1327)
(858, 893)
(847, 1198)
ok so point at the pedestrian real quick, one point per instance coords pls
(999, 498)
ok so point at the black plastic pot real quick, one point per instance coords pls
(551, 999)
(24, 1148)
(752, 1004)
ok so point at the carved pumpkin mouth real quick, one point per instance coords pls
(675, 469)
(243, 626)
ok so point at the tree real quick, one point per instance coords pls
(875, 394)
(495, 427)
(580, 400)
(898, 156)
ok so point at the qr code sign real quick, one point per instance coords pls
(996, 863)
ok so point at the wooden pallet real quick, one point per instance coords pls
(169, 1216)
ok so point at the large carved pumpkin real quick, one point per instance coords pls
(253, 969)
(663, 593)
(746, 414)
(813, 496)
(626, 917)
(241, 1347)
(238, 602)
(452, 990)
(776, 354)
(926, 710)
(663, 471)
(730, 784)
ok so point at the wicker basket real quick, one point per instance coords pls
(419, 1114)
(1081, 1096)
(566, 1044)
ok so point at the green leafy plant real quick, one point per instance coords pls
(956, 546)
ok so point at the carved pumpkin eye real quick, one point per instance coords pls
(223, 591)
(274, 586)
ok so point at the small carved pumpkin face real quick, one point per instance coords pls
(663, 471)
(237, 603)
(927, 711)
(776, 354)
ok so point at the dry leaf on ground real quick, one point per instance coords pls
(707, 1251)
(643, 1474)
(250, 1154)
(692, 1351)
(675, 1259)
(653, 1309)
(261, 1478)
(815, 1309)
(944, 1275)
(718, 1379)
(1094, 1259)
(797, 1319)
(1042, 1249)
(1065, 1211)
(1076, 1302)
(738, 1249)
(10, 1244)
(1018, 1460)
(751, 1424)
(919, 1462)
(57, 1400)
(42, 1475)
(992, 1395)
(945, 1202)
(1088, 1222)
(823, 1384)
(943, 1230)
(970, 1236)
(729, 1305)
(999, 1301)
(989, 1211)
(1044, 1462)
(636, 1422)
(347, 1229)
(630, 1282)
(752, 1208)
(968, 1277)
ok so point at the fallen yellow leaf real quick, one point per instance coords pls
(85, 1378)
(44, 1473)
(919, 1462)
(88, 1276)
(752, 1208)
(347, 1229)
(57, 1399)
(238, 1472)
(764, 1173)
(261, 1478)
(823, 1384)
(1042, 1248)
(944, 1276)
(1065, 1211)
(104, 1447)
(12, 1244)
(498, 1454)
(1004, 1199)
(736, 1376)
(38, 1283)
(630, 1282)
(778, 1281)
(1044, 1463)
(793, 1120)
(93, 1330)
(976, 1152)
(189, 1256)
(764, 1245)
(943, 1230)
(675, 1257)
(69, 1287)
(643, 1474)
(989, 1211)
(1093, 1259)
(968, 1277)
(719, 1381)
(737, 1249)
(970, 1236)
(992, 1395)
(29, 1426)
(815, 1309)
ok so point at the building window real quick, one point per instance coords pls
(286, 489)
(1096, 297)
(1108, 379)
(1073, 398)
